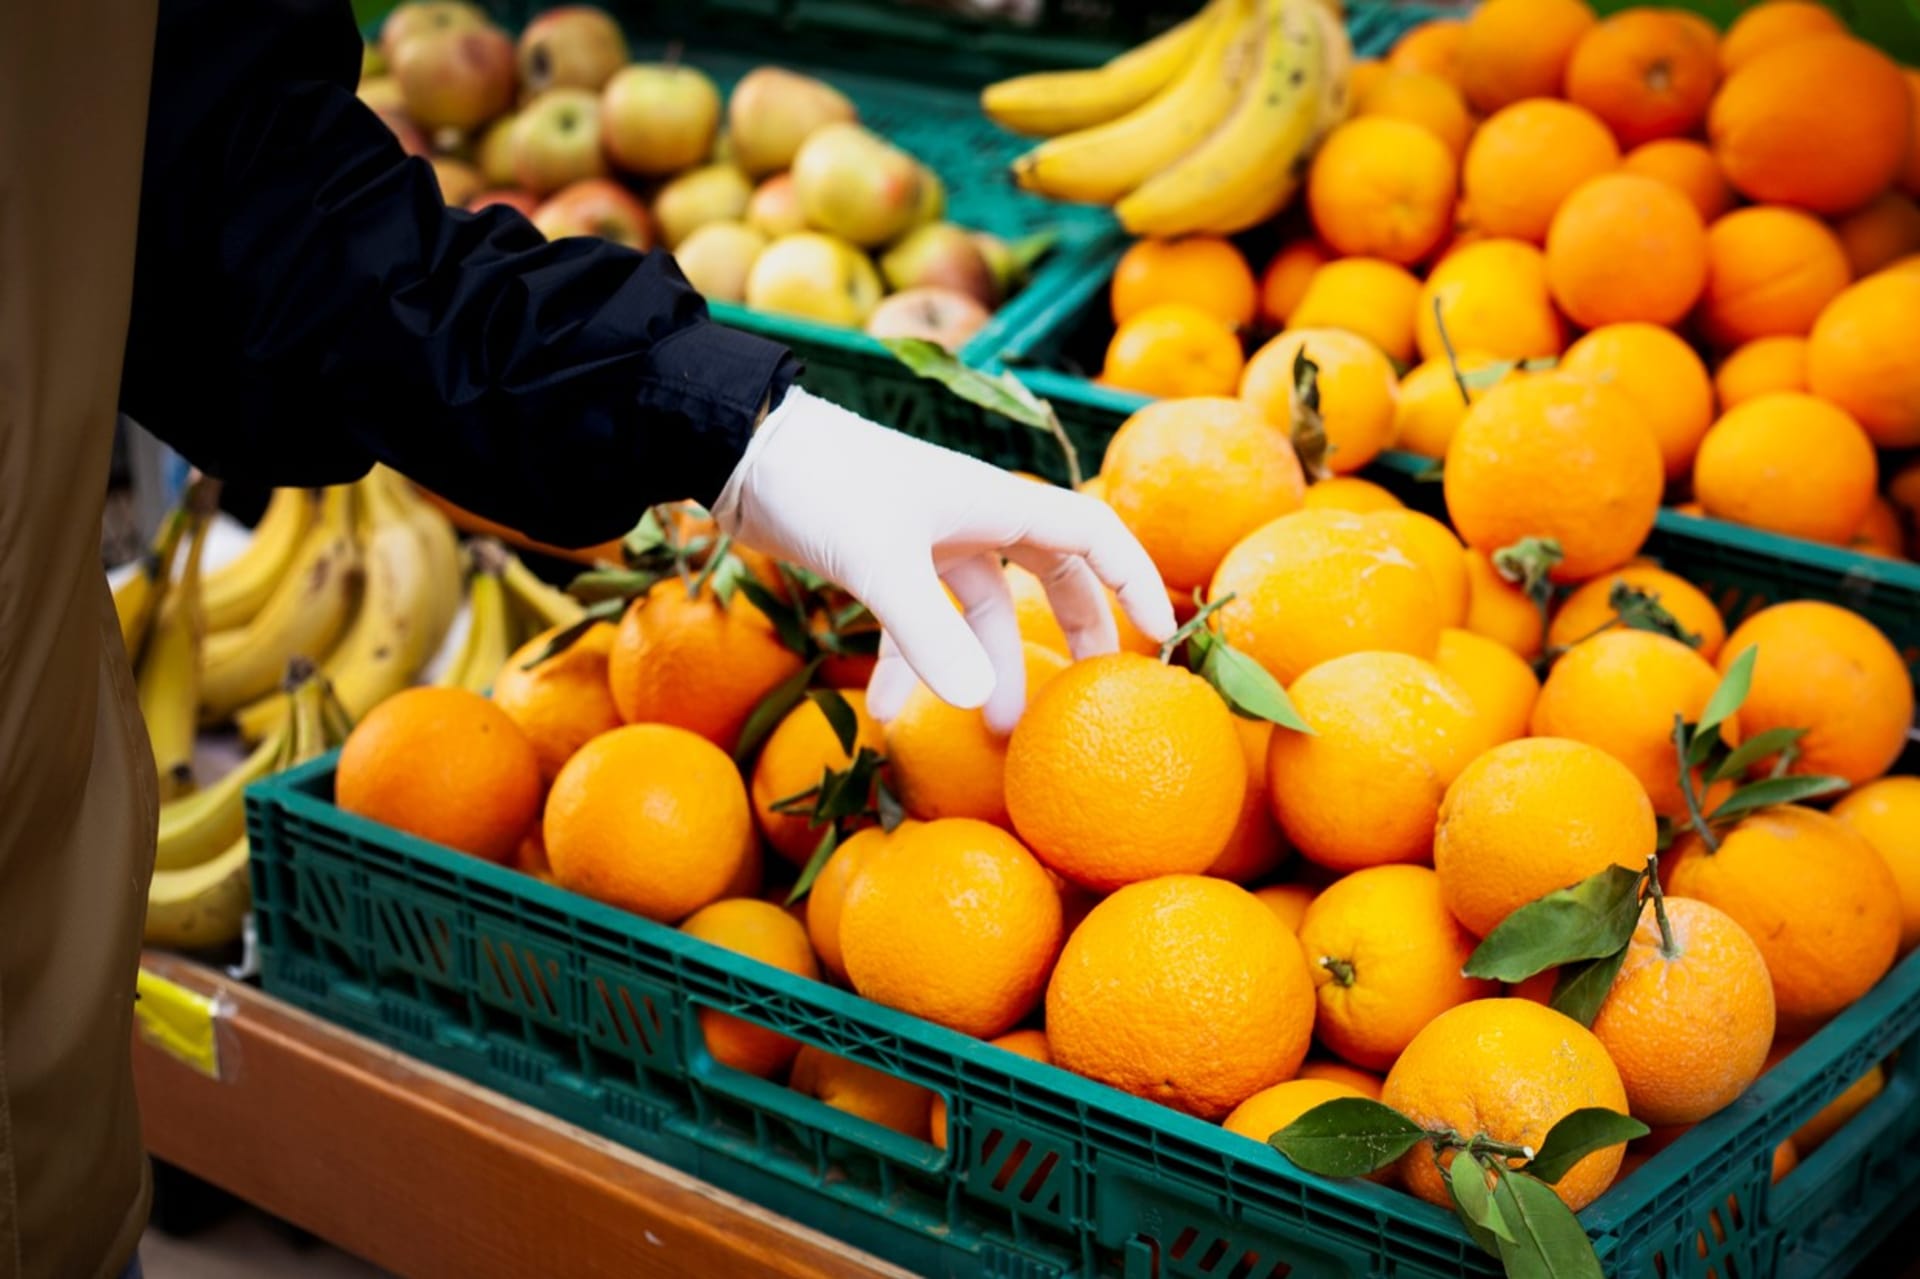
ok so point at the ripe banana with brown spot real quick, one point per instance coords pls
(241, 587)
(137, 599)
(197, 827)
(387, 644)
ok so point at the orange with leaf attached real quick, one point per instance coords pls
(795, 760)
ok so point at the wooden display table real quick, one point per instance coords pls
(425, 1174)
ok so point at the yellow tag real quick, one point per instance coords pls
(178, 1022)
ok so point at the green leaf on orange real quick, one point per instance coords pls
(1593, 918)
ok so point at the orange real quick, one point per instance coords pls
(1424, 98)
(1500, 610)
(1765, 27)
(1620, 691)
(1350, 493)
(1183, 990)
(1357, 391)
(1533, 816)
(946, 762)
(1786, 1157)
(1839, 1112)
(1386, 956)
(1688, 1027)
(829, 893)
(563, 702)
(1886, 814)
(1255, 848)
(795, 758)
(1770, 272)
(1663, 377)
(1316, 585)
(1832, 672)
(1880, 234)
(1123, 769)
(1433, 46)
(695, 663)
(1788, 463)
(1189, 478)
(953, 921)
(1910, 176)
(1173, 349)
(650, 818)
(862, 1091)
(1492, 296)
(1814, 896)
(1387, 726)
(1271, 1109)
(1589, 608)
(1366, 296)
(1431, 545)
(762, 931)
(1882, 530)
(1383, 187)
(1762, 366)
(1625, 218)
(1526, 159)
(1856, 361)
(1647, 74)
(530, 858)
(1285, 280)
(1039, 624)
(446, 765)
(1364, 1082)
(1202, 271)
(1288, 902)
(1365, 73)
(1555, 456)
(1499, 683)
(1510, 1069)
(1820, 123)
(1686, 166)
(1031, 1044)
(1431, 404)
(1514, 49)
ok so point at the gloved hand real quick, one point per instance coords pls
(889, 517)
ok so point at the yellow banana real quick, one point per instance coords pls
(303, 617)
(490, 635)
(442, 546)
(137, 599)
(1101, 164)
(1050, 103)
(1336, 86)
(197, 827)
(386, 646)
(1258, 156)
(238, 589)
(538, 606)
(169, 673)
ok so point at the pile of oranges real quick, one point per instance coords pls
(1722, 228)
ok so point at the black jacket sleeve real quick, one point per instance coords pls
(304, 305)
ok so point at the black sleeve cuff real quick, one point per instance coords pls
(710, 382)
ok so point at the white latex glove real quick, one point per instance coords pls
(888, 518)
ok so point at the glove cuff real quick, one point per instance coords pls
(727, 509)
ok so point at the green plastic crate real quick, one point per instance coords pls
(591, 1014)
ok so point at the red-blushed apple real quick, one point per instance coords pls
(459, 181)
(772, 111)
(939, 256)
(524, 201)
(717, 258)
(494, 152)
(816, 277)
(575, 46)
(716, 193)
(556, 141)
(1002, 261)
(856, 185)
(938, 315)
(382, 93)
(659, 119)
(411, 139)
(418, 16)
(774, 209)
(596, 206)
(455, 79)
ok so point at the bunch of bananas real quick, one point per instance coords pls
(507, 606)
(1207, 128)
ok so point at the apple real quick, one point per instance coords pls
(459, 181)
(716, 193)
(659, 119)
(772, 111)
(775, 207)
(1002, 261)
(412, 141)
(382, 93)
(416, 17)
(854, 184)
(556, 141)
(933, 198)
(596, 206)
(454, 78)
(938, 315)
(575, 46)
(372, 62)
(494, 152)
(723, 149)
(717, 258)
(940, 256)
(524, 201)
(816, 277)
